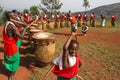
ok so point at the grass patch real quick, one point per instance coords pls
(102, 61)
(111, 30)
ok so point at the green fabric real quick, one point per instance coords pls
(19, 42)
(66, 23)
(114, 24)
(73, 27)
(61, 78)
(12, 62)
(78, 23)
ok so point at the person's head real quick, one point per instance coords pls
(8, 15)
(73, 47)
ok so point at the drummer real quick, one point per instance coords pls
(73, 21)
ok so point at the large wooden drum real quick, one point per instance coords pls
(31, 40)
(57, 24)
(44, 26)
(44, 47)
(51, 24)
(62, 24)
(39, 25)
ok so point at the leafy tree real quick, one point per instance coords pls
(86, 4)
(1, 9)
(3, 18)
(50, 6)
(34, 10)
(25, 11)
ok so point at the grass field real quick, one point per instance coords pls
(100, 59)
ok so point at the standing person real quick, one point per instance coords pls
(73, 22)
(58, 20)
(84, 28)
(92, 19)
(85, 18)
(67, 64)
(103, 21)
(80, 19)
(10, 37)
(113, 20)
(27, 17)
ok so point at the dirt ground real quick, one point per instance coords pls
(93, 35)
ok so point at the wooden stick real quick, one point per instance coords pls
(17, 21)
(46, 75)
(78, 76)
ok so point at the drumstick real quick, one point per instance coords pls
(17, 21)
(78, 76)
(49, 71)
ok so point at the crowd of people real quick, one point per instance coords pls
(67, 64)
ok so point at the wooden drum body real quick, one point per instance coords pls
(51, 24)
(62, 24)
(39, 25)
(57, 23)
(44, 47)
(31, 41)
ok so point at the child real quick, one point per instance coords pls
(67, 65)
(84, 28)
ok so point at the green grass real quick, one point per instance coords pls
(103, 60)
(99, 61)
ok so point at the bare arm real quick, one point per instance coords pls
(65, 52)
(16, 32)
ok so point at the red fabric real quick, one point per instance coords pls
(67, 72)
(10, 47)
(113, 19)
(80, 17)
(73, 20)
(85, 17)
(92, 17)
(58, 18)
(26, 18)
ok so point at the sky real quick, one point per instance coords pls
(73, 5)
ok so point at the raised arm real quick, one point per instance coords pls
(65, 51)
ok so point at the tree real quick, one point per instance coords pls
(1, 9)
(50, 6)
(86, 4)
(25, 11)
(34, 10)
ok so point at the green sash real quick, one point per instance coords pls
(12, 62)
(61, 78)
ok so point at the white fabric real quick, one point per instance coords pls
(58, 61)
(9, 22)
(103, 22)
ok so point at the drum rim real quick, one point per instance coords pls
(51, 36)
(37, 30)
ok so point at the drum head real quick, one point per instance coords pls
(43, 36)
(32, 27)
(35, 30)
